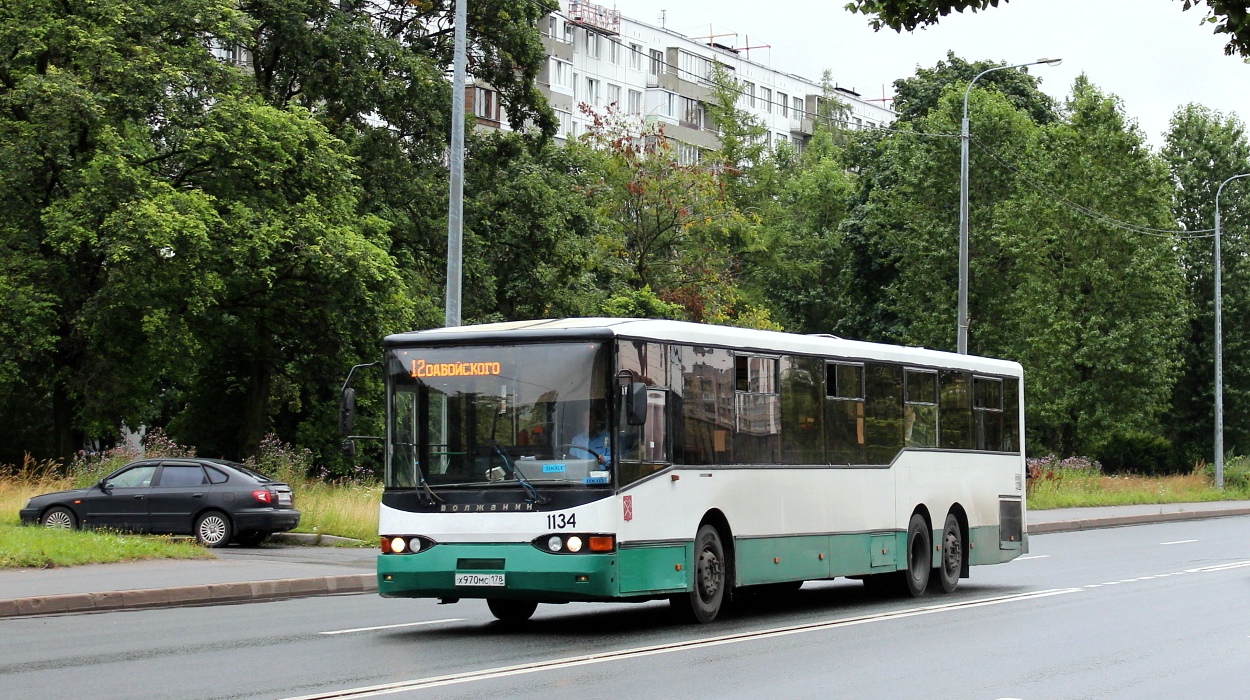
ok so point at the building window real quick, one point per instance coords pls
(656, 65)
(568, 33)
(766, 99)
(694, 67)
(553, 27)
(566, 123)
(635, 56)
(592, 44)
(592, 92)
(783, 104)
(798, 108)
(635, 102)
(614, 52)
(748, 94)
(614, 95)
(486, 104)
(691, 113)
(561, 74)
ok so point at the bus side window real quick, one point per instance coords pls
(955, 409)
(884, 412)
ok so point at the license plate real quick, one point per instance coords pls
(479, 579)
(284, 499)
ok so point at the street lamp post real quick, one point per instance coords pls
(1219, 344)
(455, 203)
(964, 137)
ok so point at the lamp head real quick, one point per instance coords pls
(1050, 61)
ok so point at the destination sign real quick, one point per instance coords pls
(422, 369)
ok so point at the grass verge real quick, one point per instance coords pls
(41, 548)
(1073, 488)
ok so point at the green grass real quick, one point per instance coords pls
(349, 510)
(1071, 488)
(41, 548)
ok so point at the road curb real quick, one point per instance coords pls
(213, 593)
(309, 538)
(1139, 519)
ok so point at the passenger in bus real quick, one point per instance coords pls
(595, 440)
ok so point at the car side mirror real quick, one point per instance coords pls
(347, 412)
(636, 403)
(106, 487)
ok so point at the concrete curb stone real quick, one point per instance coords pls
(213, 593)
(1123, 520)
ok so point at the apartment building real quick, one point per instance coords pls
(598, 58)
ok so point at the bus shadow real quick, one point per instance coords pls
(815, 602)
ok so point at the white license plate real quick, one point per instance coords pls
(479, 579)
(284, 499)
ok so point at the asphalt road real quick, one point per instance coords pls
(1138, 612)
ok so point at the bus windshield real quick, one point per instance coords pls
(498, 414)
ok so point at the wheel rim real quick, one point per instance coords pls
(59, 520)
(953, 553)
(212, 529)
(709, 574)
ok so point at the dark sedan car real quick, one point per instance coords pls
(215, 500)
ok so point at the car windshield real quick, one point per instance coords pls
(498, 414)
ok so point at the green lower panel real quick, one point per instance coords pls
(806, 557)
(528, 573)
(987, 549)
(655, 569)
(776, 559)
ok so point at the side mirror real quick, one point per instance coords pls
(347, 412)
(636, 403)
(106, 487)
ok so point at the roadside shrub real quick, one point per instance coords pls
(1236, 473)
(282, 461)
(88, 468)
(1139, 453)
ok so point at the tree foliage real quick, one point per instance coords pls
(1230, 17)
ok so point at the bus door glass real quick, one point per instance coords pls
(645, 449)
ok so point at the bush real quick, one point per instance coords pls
(1139, 453)
(1236, 473)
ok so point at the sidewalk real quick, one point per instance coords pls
(275, 572)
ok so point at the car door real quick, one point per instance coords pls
(120, 502)
(178, 494)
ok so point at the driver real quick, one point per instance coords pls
(595, 440)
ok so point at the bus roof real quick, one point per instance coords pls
(698, 334)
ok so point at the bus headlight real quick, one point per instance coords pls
(576, 544)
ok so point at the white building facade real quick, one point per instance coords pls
(598, 59)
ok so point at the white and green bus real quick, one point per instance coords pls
(605, 459)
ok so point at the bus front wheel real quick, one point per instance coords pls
(703, 603)
(511, 611)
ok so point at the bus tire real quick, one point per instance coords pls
(703, 603)
(511, 611)
(951, 558)
(919, 557)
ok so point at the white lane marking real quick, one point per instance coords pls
(571, 662)
(391, 627)
(1164, 544)
(1035, 556)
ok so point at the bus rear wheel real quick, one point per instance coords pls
(952, 556)
(511, 611)
(711, 568)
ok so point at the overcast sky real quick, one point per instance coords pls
(1152, 54)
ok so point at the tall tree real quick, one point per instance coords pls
(1203, 149)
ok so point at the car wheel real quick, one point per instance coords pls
(251, 539)
(59, 518)
(213, 529)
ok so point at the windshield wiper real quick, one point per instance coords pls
(519, 476)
